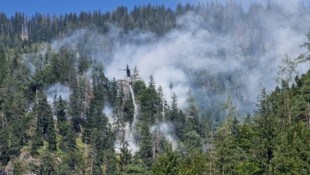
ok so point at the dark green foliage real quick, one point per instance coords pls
(112, 92)
(67, 142)
(100, 85)
(3, 65)
(136, 168)
(75, 108)
(83, 64)
(45, 128)
(180, 124)
(73, 163)
(19, 167)
(61, 110)
(4, 147)
(146, 152)
(292, 154)
(48, 164)
(150, 103)
(96, 122)
(36, 142)
(128, 110)
(167, 164)
(125, 156)
(225, 149)
(193, 163)
(111, 162)
(265, 126)
(174, 109)
(139, 87)
(62, 66)
(173, 163)
(78, 138)
(62, 125)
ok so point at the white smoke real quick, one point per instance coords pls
(167, 130)
(242, 56)
(109, 114)
(57, 90)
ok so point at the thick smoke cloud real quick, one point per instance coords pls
(216, 52)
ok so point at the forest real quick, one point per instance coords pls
(208, 89)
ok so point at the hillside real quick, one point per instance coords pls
(206, 89)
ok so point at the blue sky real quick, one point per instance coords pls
(29, 7)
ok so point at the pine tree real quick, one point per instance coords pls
(3, 65)
(125, 156)
(150, 103)
(151, 82)
(266, 131)
(288, 157)
(193, 130)
(119, 109)
(111, 162)
(167, 164)
(146, 145)
(68, 140)
(4, 147)
(128, 110)
(139, 87)
(83, 64)
(45, 123)
(100, 85)
(174, 108)
(193, 163)
(112, 92)
(74, 110)
(192, 111)
(225, 149)
(61, 116)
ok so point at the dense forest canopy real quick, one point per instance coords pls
(208, 89)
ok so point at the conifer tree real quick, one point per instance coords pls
(125, 156)
(68, 142)
(4, 147)
(146, 152)
(61, 116)
(167, 164)
(266, 131)
(45, 123)
(3, 65)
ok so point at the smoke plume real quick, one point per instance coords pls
(218, 51)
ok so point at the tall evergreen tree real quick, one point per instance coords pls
(3, 65)
(146, 145)
(45, 128)
(266, 131)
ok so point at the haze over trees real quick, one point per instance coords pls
(62, 113)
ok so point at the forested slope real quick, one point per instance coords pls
(63, 112)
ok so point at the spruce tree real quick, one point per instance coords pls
(3, 65)
(266, 125)
(146, 145)
(125, 156)
(45, 123)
